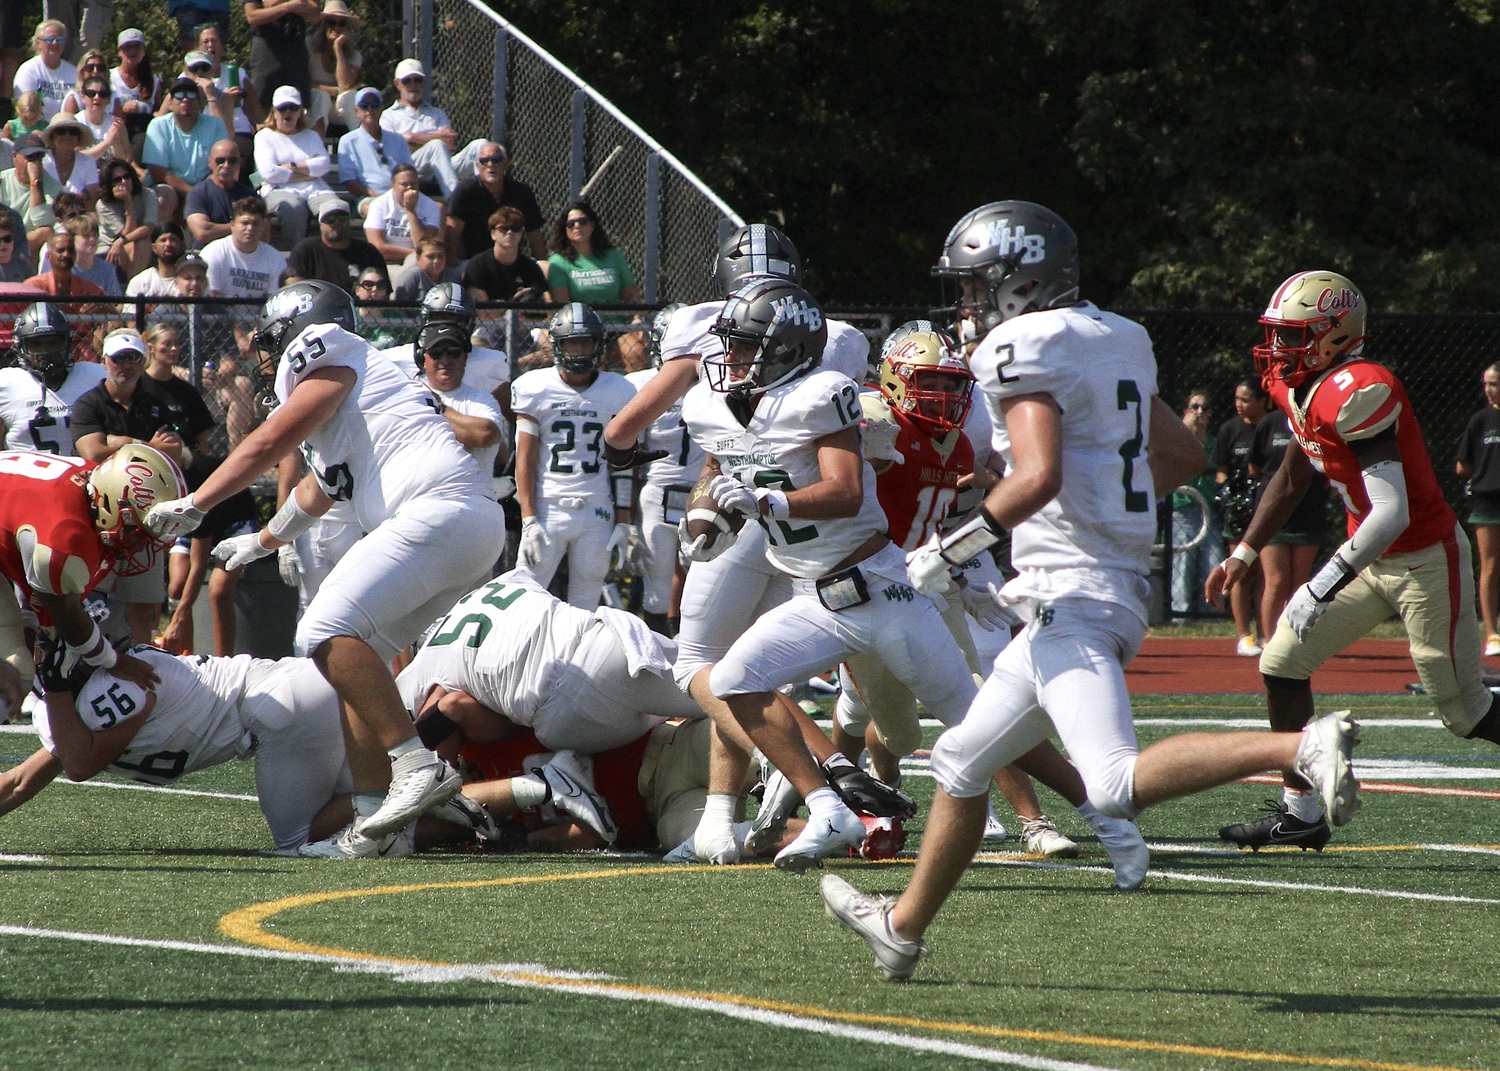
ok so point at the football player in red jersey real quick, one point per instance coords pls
(63, 525)
(1405, 555)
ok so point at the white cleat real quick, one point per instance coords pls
(994, 829)
(420, 781)
(352, 843)
(870, 917)
(779, 802)
(1323, 757)
(831, 833)
(1126, 847)
(571, 778)
(1042, 838)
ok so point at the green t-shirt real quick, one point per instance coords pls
(595, 280)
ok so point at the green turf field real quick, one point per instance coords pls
(141, 930)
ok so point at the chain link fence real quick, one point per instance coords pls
(565, 140)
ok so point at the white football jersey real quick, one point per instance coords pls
(847, 349)
(570, 425)
(506, 644)
(386, 443)
(778, 450)
(195, 724)
(485, 369)
(37, 418)
(1100, 370)
(684, 460)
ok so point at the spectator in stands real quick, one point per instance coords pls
(15, 260)
(235, 90)
(98, 115)
(127, 214)
(369, 151)
(235, 394)
(28, 118)
(586, 266)
(210, 204)
(502, 272)
(476, 200)
(94, 64)
(241, 265)
(1191, 567)
(402, 216)
(64, 138)
(88, 22)
(160, 280)
(59, 278)
(334, 63)
(1287, 561)
(429, 267)
(137, 87)
(1477, 461)
(47, 73)
(87, 264)
(332, 254)
(28, 190)
(178, 144)
(1230, 456)
(194, 17)
(292, 161)
(374, 327)
(428, 133)
(278, 44)
(118, 412)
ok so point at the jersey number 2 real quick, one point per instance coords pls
(1126, 395)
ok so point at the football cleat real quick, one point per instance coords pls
(420, 781)
(352, 843)
(884, 839)
(1278, 827)
(778, 802)
(571, 778)
(1323, 757)
(870, 917)
(824, 835)
(994, 829)
(1042, 838)
(1127, 849)
(866, 793)
(462, 811)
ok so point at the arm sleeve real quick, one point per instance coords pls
(1389, 516)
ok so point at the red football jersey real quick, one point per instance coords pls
(616, 776)
(47, 538)
(917, 494)
(1353, 402)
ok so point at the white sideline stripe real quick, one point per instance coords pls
(1257, 723)
(1209, 879)
(499, 972)
(23, 859)
(133, 787)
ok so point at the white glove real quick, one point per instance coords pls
(698, 550)
(927, 570)
(534, 542)
(983, 607)
(239, 551)
(1303, 611)
(289, 565)
(879, 437)
(731, 495)
(171, 520)
(619, 542)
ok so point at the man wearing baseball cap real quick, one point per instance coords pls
(369, 152)
(428, 133)
(442, 357)
(179, 144)
(333, 254)
(29, 189)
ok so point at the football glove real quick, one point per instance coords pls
(174, 519)
(289, 565)
(236, 552)
(864, 793)
(731, 495)
(983, 607)
(534, 542)
(698, 549)
(619, 543)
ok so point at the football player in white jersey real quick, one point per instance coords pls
(562, 483)
(782, 437)
(1070, 389)
(664, 486)
(433, 530)
(36, 399)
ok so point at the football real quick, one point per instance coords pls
(704, 517)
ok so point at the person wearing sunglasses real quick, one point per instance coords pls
(179, 144)
(369, 153)
(47, 73)
(97, 114)
(15, 263)
(93, 64)
(210, 204)
(127, 214)
(292, 161)
(428, 133)
(334, 64)
(65, 139)
(503, 272)
(477, 199)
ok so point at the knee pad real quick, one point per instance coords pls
(1112, 792)
(952, 775)
(850, 716)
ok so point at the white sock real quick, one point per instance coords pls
(1304, 806)
(718, 810)
(367, 803)
(406, 747)
(823, 801)
(529, 790)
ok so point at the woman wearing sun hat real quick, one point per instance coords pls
(65, 136)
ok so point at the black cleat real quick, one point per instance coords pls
(1278, 828)
(865, 793)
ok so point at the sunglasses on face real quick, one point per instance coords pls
(446, 353)
(201, 68)
(93, 65)
(53, 40)
(7, 239)
(128, 357)
(412, 80)
(509, 230)
(287, 108)
(226, 159)
(184, 94)
(371, 284)
(579, 222)
(335, 24)
(95, 94)
(492, 160)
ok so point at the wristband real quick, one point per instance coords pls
(964, 543)
(619, 457)
(95, 649)
(1244, 552)
(773, 504)
(1330, 580)
(290, 521)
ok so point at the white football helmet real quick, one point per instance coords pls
(122, 489)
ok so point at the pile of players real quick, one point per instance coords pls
(876, 517)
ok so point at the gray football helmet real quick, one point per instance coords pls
(292, 309)
(576, 320)
(449, 302)
(1020, 258)
(43, 341)
(756, 249)
(659, 324)
(783, 322)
